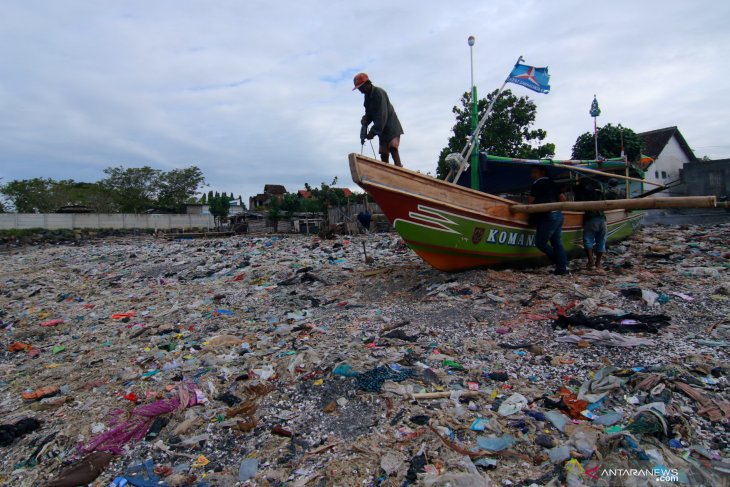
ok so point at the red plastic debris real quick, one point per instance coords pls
(51, 322)
(131, 397)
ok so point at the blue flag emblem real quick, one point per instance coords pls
(595, 109)
(536, 79)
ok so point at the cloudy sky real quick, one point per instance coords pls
(257, 92)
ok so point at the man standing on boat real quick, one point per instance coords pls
(549, 235)
(379, 112)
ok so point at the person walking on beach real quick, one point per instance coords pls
(549, 235)
(380, 112)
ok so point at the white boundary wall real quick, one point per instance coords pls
(58, 221)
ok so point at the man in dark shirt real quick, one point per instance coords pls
(549, 235)
(614, 192)
(364, 217)
(381, 114)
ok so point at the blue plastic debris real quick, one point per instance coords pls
(248, 470)
(345, 370)
(495, 443)
(608, 419)
(479, 424)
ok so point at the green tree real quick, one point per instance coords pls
(203, 199)
(135, 189)
(274, 212)
(311, 205)
(609, 144)
(219, 207)
(177, 186)
(91, 195)
(240, 202)
(326, 195)
(507, 132)
(290, 204)
(31, 195)
(45, 195)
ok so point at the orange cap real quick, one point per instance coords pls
(359, 80)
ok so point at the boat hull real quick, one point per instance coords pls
(454, 228)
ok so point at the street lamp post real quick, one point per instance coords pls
(474, 120)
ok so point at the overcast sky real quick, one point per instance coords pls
(257, 92)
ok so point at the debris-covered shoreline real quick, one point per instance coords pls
(286, 360)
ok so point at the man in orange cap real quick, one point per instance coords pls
(381, 114)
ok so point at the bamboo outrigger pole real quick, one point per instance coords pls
(607, 174)
(629, 204)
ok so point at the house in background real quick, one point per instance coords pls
(304, 194)
(263, 200)
(670, 152)
(197, 209)
(235, 207)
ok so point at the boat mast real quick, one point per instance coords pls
(474, 121)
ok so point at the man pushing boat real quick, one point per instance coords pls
(549, 236)
(380, 112)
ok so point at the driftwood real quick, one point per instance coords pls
(442, 395)
(480, 453)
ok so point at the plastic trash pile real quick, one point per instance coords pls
(290, 361)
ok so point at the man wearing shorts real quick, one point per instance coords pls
(595, 230)
(381, 114)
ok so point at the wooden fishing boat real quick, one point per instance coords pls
(453, 227)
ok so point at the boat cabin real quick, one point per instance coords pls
(510, 178)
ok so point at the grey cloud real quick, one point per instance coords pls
(259, 92)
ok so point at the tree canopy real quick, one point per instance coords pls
(327, 195)
(609, 144)
(126, 190)
(507, 132)
(219, 205)
(177, 186)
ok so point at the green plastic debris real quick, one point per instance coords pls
(452, 365)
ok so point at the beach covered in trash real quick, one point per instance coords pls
(295, 361)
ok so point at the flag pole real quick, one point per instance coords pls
(466, 152)
(595, 111)
(595, 130)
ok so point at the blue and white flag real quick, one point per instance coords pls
(536, 79)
